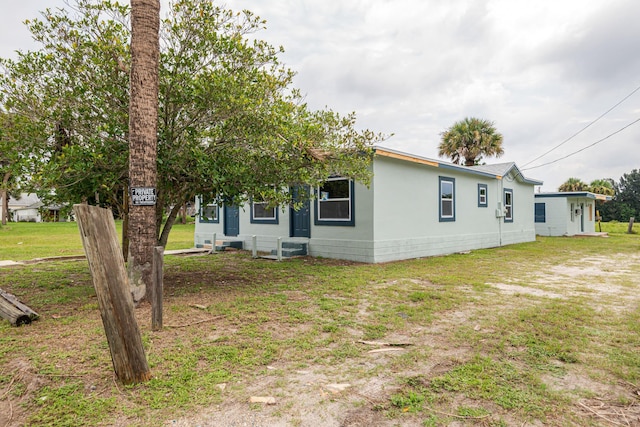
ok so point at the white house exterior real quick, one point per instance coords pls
(566, 214)
(26, 208)
(415, 207)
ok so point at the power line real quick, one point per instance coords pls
(584, 128)
(584, 148)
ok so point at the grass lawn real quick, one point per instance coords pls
(542, 333)
(23, 241)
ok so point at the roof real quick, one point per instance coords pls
(496, 171)
(585, 194)
(24, 201)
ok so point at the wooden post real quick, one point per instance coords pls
(98, 233)
(156, 288)
(630, 229)
(14, 311)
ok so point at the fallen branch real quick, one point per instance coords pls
(462, 417)
(386, 344)
(8, 388)
(600, 415)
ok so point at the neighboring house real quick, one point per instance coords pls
(25, 208)
(28, 208)
(415, 207)
(566, 213)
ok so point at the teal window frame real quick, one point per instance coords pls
(445, 197)
(325, 197)
(508, 207)
(215, 208)
(263, 207)
(481, 203)
(540, 212)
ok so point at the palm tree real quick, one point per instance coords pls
(602, 186)
(143, 122)
(573, 184)
(470, 139)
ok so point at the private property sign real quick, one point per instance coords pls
(143, 196)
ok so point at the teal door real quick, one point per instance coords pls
(301, 218)
(231, 220)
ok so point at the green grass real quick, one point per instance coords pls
(22, 241)
(478, 356)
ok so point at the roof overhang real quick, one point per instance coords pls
(395, 154)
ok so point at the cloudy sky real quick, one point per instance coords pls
(541, 71)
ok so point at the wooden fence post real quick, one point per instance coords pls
(100, 241)
(157, 288)
(630, 229)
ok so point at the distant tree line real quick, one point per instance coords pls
(625, 195)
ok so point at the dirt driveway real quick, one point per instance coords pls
(349, 394)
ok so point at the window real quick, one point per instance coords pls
(261, 213)
(508, 205)
(334, 205)
(573, 212)
(482, 195)
(540, 212)
(447, 199)
(209, 212)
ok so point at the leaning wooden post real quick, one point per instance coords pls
(100, 241)
(156, 288)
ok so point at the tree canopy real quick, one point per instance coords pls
(602, 186)
(470, 140)
(573, 184)
(230, 123)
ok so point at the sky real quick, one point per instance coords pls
(541, 71)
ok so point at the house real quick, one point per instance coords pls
(415, 207)
(25, 208)
(566, 213)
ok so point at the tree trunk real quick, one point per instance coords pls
(4, 195)
(171, 219)
(143, 123)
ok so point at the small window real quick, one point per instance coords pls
(334, 205)
(261, 213)
(573, 212)
(447, 199)
(482, 195)
(508, 205)
(540, 212)
(209, 212)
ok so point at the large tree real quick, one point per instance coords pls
(229, 124)
(470, 140)
(602, 186)
(626, 200)
(573, 184)
(143, 142)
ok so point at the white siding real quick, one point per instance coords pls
(398, 217)
(560, 221)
